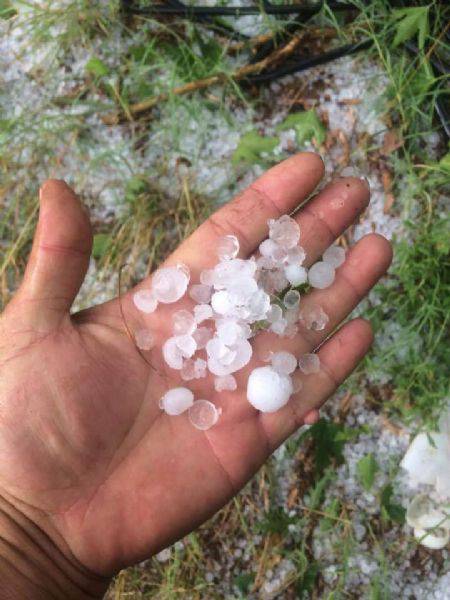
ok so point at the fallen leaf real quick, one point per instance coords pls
(391, 142)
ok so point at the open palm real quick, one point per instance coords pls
(87, 455)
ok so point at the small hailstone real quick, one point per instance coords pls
(222, 302)
(321, 275)
(202, 335)
(184, 269)
(314, 317)
(169, 284)
(172, 354)
(187, 372)
(309, 363)
(186, 344)
(291, 299)
(229, 331)
(267, 248)
(297, 382)
(207, 277)
(203, 414)
(259, 304)
(200, 293)
(244, 353)
(283, 362)
(268, 390)
(284, 231)
(144, 338)
(291, 314)
(145, 301)
(274, 314)
(290, 331)
(177, 400)
(216, 349)
(280, 254)
(334, 256)
(200, 368)
(295, 274)
(226, 383)
(202, 312)
(279, 327)
(183, 322)
(227, 247)
(296, 255)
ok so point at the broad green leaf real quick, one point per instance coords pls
(391, 510)
(251, 146)
(444, 163)
(275, 521)
(307, 126)
(244, 581)
(100, 245)
(96, 67)
(329, 441)
(411, 21)
(367, 468)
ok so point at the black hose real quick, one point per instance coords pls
(307, 63)
(238, 11)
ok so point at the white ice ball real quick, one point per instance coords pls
(177, 400)
(268, 390)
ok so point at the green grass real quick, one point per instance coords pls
(406, 378)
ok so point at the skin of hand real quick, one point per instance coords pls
(93, 475)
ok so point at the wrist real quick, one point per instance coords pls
(34, 567)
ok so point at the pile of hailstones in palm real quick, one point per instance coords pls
(235, 301)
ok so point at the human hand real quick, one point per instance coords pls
(92, 471)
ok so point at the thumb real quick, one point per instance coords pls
(59, 257)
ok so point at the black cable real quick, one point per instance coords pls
(222, 28)
(239, 11)
(307, 63)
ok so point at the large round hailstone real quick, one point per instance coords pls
(169, 284)
(177, 400)
(268, 390)
(321, 275)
